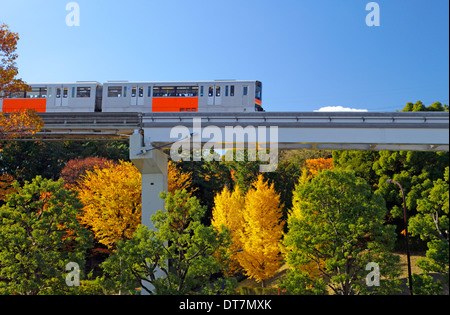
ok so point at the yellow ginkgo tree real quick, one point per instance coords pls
(228, 213)
(112, 202)
(262, 232)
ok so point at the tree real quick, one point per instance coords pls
(262, 232)
(178, 180)
(39, 236)
(207, 179)
(361, 162)
(8, 67)
(337, 223)
(228, 215)
(432, 225)
(75, 169)
(6, 187)
(415, 171)
(24, 160)
(19, 124)
(314, 166)
(420, 107)
(185, 257)
(112, 202)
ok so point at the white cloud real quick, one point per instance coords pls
(340, 109)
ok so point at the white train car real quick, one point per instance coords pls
(55, 97)
(124, 96)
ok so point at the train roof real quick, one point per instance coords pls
(182, 82)
(64, 83)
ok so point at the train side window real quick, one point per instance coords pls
(201, 91)
(141, 92)
(217, 91)
(124, 91)
(58, 93)
(66, 92)
(211, 91)
(245, 92)
(50, 92)
(17, 94)
(83, 92)
(232, 90)
(133, 92)
(73, 92)
(156, 91)
(226, 90)
(193, 91)
(149, 91)
(114, 91)
(37, 93)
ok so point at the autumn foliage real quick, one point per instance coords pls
(228, 213)
(262, 233)
(255, 222)
(8, 67)
(314, 166)
(74, 169)
(6, 187)
(19, 124)
(178, 180)
(112, 202)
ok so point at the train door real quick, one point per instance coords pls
(214, 95)
(137, 95)
(62, 96)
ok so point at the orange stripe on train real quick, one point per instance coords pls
(14, 105)
(174, 104)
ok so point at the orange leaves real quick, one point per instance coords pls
(316, 165)
(8, 68)
(19, 124)
(178, 180)
(75, 169)
(6, 188)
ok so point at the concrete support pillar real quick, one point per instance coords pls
(153, 167)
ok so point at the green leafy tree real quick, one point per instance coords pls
(432, 225)
(415, 171)
(361, 162)
(420, 107)
(39, 236)
(337, 225)
(183, 251)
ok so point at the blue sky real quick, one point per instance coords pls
(309, 54)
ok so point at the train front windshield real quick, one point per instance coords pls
(258, 96)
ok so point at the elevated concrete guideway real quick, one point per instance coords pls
(418, 131)
(422, 131)
(415, 131)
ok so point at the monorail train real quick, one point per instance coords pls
(124, 96)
